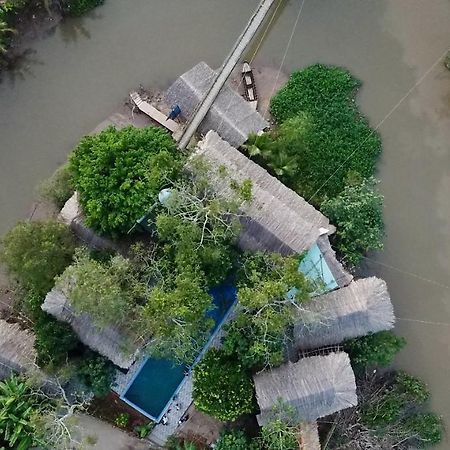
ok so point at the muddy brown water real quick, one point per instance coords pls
(80, 74)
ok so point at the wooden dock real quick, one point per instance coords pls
(153, 113)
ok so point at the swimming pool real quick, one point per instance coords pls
(157, 381)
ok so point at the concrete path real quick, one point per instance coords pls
(230, 62)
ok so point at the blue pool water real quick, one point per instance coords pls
(158, 380)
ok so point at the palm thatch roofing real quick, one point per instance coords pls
(277, 219)
(72, 215)
(363, 307)
(110, 341)
(315, 387)
(230, 115)
(17, 352)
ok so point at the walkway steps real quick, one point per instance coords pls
(230, 62)
(153, 113)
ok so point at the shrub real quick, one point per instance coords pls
(427, 428)
(122, 420)
(235, 440)
(80, 7)
(54, 340)
(222, 388)
(338, 139)
(97, 374)
(377, 349)
(357, 213)
(58, 188)
(36, 252)
(118, 174)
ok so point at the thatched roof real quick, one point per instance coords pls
(17, 352)
(315, 387)
(363, 307)
(72, 215)
(230, 115)
(277, 219)
(109, 341)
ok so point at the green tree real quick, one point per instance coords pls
(96, 373)
(280, 432)
(373, 350)
(54, 341)
(118, 174)
(174, 316)
(357, 213)
(36, 252)
(235, 440)
(99, 289)
(222, 388)
(58, 188)
(265, 308)
(426, 429)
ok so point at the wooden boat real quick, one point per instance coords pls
(248, 79)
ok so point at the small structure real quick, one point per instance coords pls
(277, 219)
(363, 307)
(72, 215)
(110, 341)
(315, 387)
(249, 85)
(17, 352)
(230, 115)
(153, 113)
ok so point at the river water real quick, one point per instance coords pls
(81, 73)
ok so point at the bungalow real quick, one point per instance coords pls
(110, 341)
(17, 352)
(315, 387)
(230, 115)
(362, 307)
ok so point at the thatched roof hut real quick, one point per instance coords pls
(109, 341)
(230, 115)
(277, 219)
(363, 307)
(17, 352)
(315, 387)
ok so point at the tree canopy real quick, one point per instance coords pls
(36, 252)
(222, 388)
(118, 174)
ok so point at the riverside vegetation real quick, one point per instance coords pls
(158, 285)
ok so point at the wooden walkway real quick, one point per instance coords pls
(153, 113)
(228, 65)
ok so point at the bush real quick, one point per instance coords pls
(97, 374)
(54, 341)
(118, 174)
(357, 213)
(80, 7)
(235, 440)
(337, 140)
(427, 428)
(122, 420)
(222, 388)
(373, 350)
(58, 188)
(36, 252)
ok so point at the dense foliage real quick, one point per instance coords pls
(257, 335)
(96, 373)
(118, 174)
(280, 432)
(222, 387)
(80, 7)
(374, 350)
(357, 213)
(97, 288)
(235, 440)
(337, 139)
(36, 252)
(58, 188)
